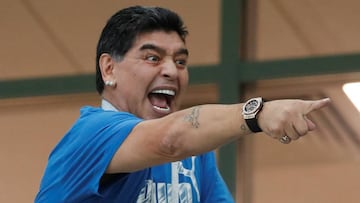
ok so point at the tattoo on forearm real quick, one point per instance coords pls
(243, 127)
(193, 117)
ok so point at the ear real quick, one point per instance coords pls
(106, 64)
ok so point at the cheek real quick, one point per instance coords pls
(139, 78)
(134, 75)
(184, 78)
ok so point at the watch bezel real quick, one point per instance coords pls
(259, 101)
(250, 116)
(252, 113)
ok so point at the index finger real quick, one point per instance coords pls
(316, 104)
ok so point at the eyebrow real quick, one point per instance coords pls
(163, 51)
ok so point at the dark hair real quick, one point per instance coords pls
(123, 27)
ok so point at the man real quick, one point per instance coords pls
(137, 147)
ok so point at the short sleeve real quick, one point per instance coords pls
(77, 163)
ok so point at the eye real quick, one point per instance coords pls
(181, 62)
(152, 58)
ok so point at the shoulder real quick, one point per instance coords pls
(89, 113)
(97, 126)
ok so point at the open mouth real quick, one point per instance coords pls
(161, 99)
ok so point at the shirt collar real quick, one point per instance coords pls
(107, 106)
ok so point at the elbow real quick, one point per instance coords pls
(171, 147)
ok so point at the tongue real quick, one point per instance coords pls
(158, 100)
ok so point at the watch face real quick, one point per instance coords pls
(251, 106)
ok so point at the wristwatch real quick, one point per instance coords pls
(251, 109)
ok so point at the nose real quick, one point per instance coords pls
(169, 70)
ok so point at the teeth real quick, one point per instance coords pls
(162, 109)
(167, 92)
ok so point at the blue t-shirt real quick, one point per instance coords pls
(76, 167)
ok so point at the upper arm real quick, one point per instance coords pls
(142, 148)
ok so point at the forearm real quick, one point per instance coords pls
(202, 128)
(181, 134)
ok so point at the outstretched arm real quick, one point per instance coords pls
(203, 128)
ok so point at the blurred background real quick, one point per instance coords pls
(238, 49)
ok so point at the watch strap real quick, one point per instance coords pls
(253, 125)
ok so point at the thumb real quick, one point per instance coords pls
(311, 125)
(316, 104)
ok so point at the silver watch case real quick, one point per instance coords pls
(252, 107)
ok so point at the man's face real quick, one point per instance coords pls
(152, 76)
